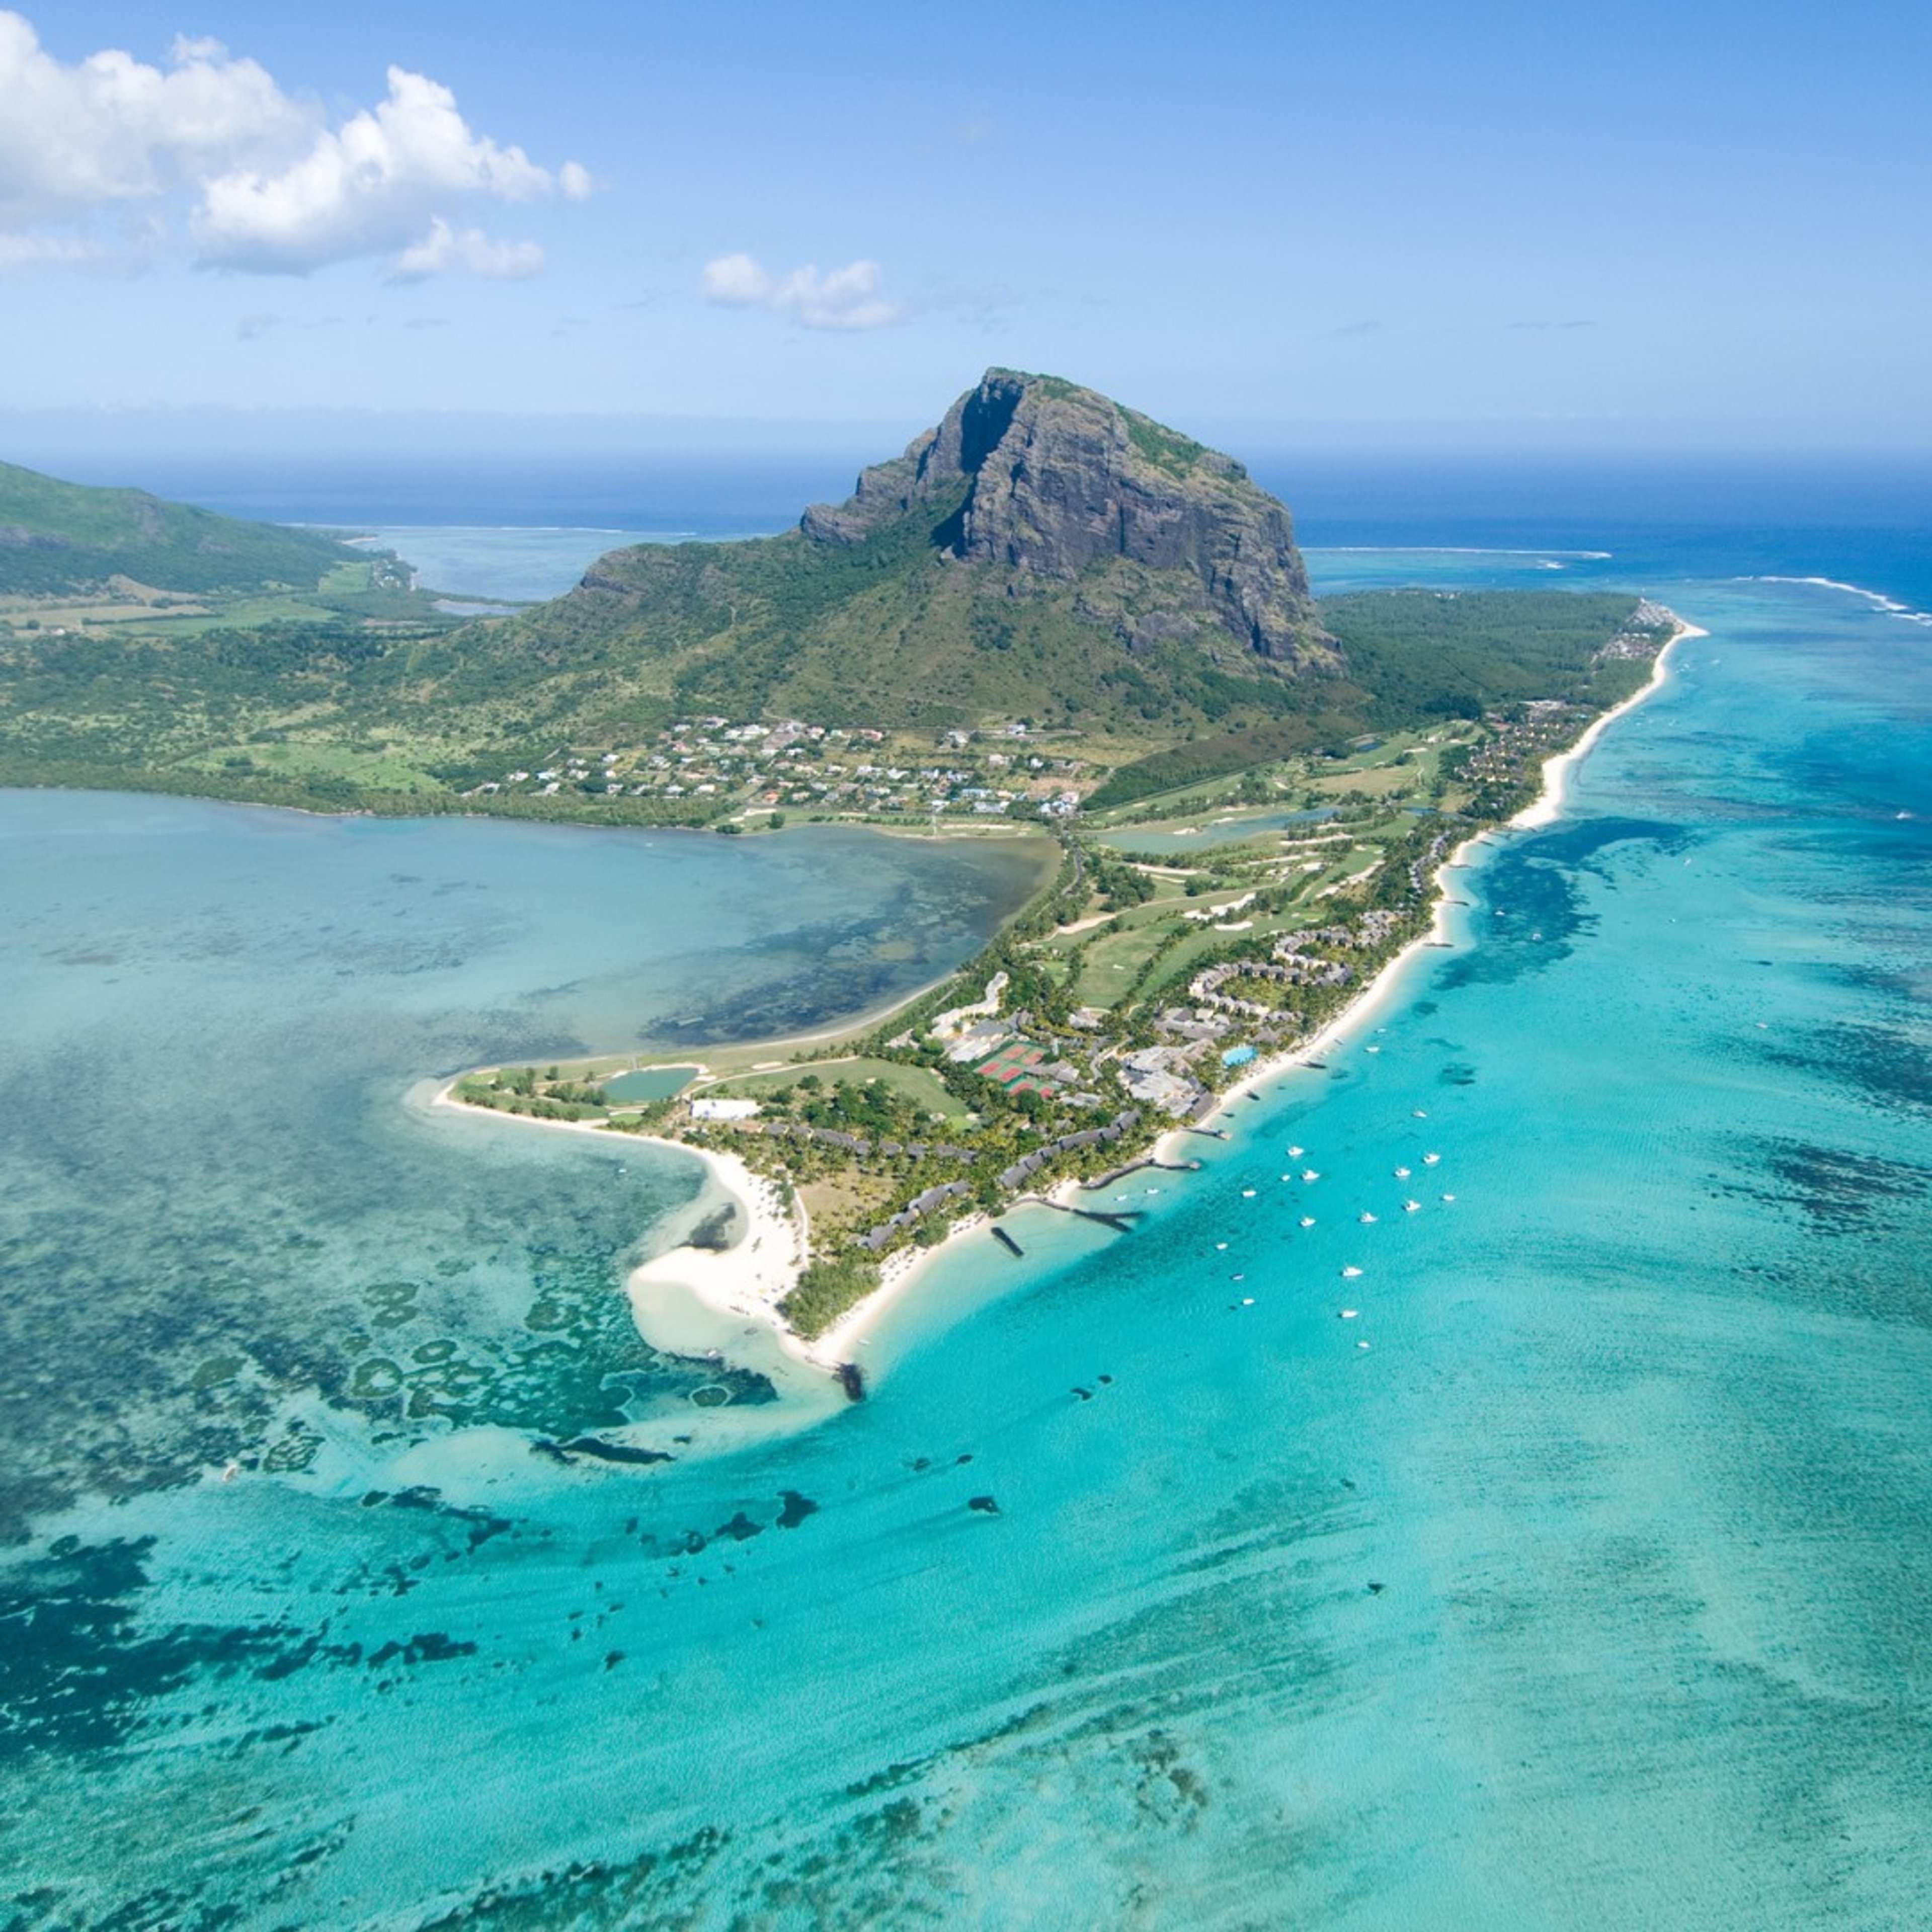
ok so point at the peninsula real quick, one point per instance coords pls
(1226, 896)
(1134, 1001)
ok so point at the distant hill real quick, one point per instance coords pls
(1043, 553)
(57, 538)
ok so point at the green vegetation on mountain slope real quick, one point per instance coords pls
(58, 538)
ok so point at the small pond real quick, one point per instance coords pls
(650, 1083)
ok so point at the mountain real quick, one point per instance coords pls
(1038, 478)
(1043, 553)
(57, 538)
(1043, 556)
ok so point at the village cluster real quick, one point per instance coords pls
(796, 765)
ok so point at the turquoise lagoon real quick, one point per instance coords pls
(1591, 1592)
(511, 562)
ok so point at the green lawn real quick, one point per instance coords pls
(924, 1089)
(391, 769)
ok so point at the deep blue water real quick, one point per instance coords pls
(1590, 1593)
(1861, 521)
(707, 497)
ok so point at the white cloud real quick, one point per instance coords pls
(275, 188)
(25, 251)
(736, 280)
(444, 248)
(109, 129)
(379, 184)
(846, 298)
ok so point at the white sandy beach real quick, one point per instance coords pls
(744, 1282)
(684, 1297)
(852, 1329)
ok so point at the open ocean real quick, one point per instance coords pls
(1592, 1592)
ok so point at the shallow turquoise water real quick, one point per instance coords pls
(231, 1225)
(508, 561)
(1590, 1593)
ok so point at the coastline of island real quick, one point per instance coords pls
(702, 1301)
(744, 1282)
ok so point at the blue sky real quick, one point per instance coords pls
(1700, 226)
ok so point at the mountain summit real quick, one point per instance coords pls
(1057, 479)
(1042, 554)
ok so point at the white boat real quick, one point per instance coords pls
(1371, 1049)
(1294, 1154)
(1350, 1273)
(1448, 1197)
(1421, 1114)
(1309, 1174)
(1308, 1220)
(1366, 1220)
(1411, 1207)
(1247, 1194)
(1346, 1314)
(1430, 1159)
(1402, 1174)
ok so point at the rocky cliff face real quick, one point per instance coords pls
(1039, 478)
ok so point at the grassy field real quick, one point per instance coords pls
(360, 588)
(844, 1198)
(385, 769)
(923, 1089)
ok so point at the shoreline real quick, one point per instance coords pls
(1548, 804)
(1332, 1033)
(746, 1282)
(1544, 809)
